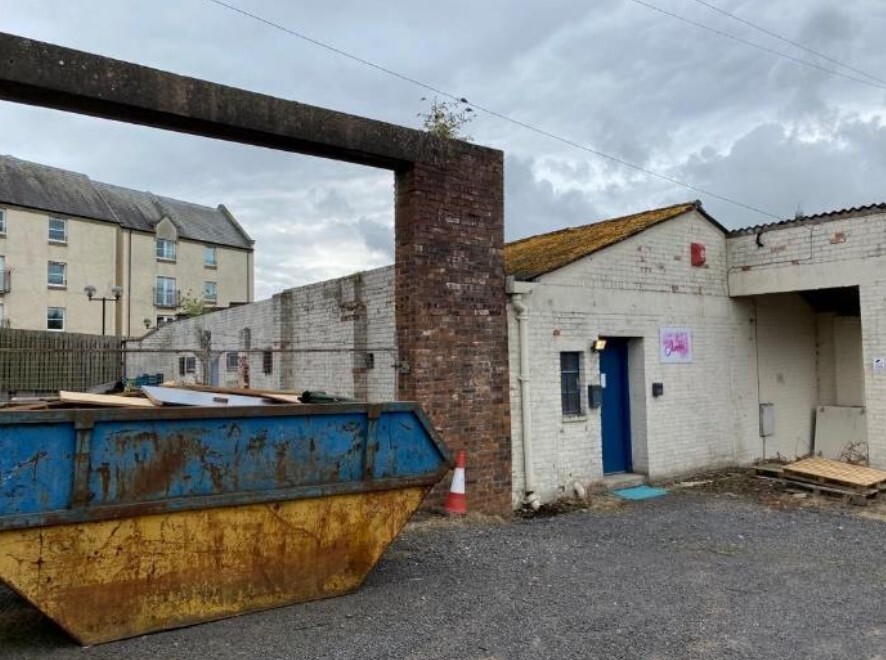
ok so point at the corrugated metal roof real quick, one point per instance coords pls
(51, 189)
(530, 257)
(839, 214)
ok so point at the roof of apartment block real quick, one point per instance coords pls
(816, 218)
(536, 255)
(67, 193)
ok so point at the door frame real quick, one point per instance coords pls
(626, 435)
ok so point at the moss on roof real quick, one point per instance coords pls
(530, 257)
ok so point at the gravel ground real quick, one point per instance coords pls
(690, 575)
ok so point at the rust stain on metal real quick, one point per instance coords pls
(104, 472)
(154, 475)
(113, 579)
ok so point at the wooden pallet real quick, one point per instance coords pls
(855, 496)
(836, 474)
(769, 469)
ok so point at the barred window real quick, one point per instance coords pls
(570, 379)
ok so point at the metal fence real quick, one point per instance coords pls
(34, 363)
(39, 364)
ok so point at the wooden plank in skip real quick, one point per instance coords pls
(104, 400)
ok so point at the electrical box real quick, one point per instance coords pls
(697, 254)
(657, 389)
(767, 419)
(595, 396)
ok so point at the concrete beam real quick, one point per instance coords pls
(42, 74)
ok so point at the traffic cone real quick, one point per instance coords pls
(456, 502)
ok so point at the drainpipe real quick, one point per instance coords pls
(525, 400)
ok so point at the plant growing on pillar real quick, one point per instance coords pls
(447, 119)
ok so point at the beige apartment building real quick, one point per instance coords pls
(67, 241)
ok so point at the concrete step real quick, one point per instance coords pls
(623, 480)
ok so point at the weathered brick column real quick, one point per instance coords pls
(450, 309)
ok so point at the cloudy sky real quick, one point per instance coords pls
(613, 75)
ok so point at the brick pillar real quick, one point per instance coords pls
(450, 311)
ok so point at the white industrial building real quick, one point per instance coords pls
(657, 344)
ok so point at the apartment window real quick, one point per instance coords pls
(3, 317)
(57, 274)
(2, 221)
(267, 362)
(233, 361)
(209, 257)
(187, 365)
(210, 292)
(165, 249)
(165, 293)
(55, 318)
(570, 378)
(58, 230)
(163, 320)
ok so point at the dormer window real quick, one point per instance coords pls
(165, 250)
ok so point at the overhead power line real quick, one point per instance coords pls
(752, 44)
(791, 42)
(493, 113)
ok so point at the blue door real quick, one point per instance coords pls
(616, 411)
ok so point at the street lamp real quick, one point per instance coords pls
(116, 292)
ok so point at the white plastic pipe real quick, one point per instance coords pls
(525, 399)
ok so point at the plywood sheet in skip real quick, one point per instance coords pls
(840, 432)
(171, 396)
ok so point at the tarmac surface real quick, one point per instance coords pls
(690, 575)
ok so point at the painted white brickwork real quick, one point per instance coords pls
(826, 253)
(632, 289)
(335, 336)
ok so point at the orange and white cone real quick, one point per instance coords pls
(456, 501)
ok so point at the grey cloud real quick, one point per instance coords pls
(783, 171)
(609, 74)
(533, 206)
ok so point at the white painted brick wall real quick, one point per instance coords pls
(873, 320)
(317, 331)
(631, 290)
(843, 252)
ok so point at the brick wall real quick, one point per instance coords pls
(350, 320)
(336, 336)
(450, 308)
(632, 289)
(825, 253)
(164, 346)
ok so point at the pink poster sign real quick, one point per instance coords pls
(676, 345)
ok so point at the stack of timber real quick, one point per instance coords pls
(857, 483)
